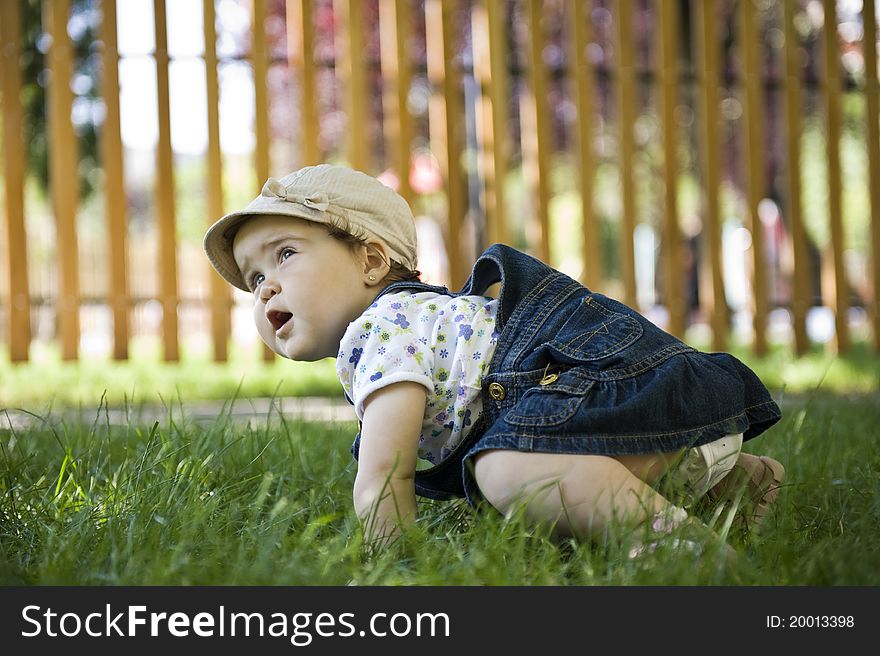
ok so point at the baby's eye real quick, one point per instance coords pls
(257, 280)
(286, 253)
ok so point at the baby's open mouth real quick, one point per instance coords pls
(278, 319)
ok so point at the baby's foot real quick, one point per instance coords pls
(689, 537)
(757, 480)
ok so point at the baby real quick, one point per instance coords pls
(550, 399)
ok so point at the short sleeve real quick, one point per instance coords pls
(382, 347)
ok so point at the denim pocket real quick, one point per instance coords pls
(593, 332)
(551, 404)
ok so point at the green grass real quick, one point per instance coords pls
(45, 381)
(146, 379)
(210, 503)
(819, 369)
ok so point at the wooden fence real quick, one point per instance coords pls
(504, 78)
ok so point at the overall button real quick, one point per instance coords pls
(497, 391)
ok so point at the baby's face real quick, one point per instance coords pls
(307, 285)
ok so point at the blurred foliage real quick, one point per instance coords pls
(855, 203)
(145, 378)
(82, 31)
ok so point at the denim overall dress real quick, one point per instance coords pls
(577, 372)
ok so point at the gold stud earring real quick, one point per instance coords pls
(372, 278)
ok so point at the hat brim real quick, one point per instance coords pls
(220, 236)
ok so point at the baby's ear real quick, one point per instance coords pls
(377, 262)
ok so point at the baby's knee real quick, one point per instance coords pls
(494, 473)
(508, 478)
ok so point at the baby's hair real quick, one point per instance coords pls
(342, 231)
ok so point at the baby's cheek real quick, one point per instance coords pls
(260, 320)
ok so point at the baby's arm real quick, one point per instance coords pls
(384, 489)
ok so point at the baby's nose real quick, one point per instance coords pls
(267, 291)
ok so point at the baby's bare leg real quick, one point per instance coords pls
(581, 494)
(649, 467)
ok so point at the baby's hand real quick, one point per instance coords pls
(384, 489)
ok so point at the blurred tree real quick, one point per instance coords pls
(87, 111)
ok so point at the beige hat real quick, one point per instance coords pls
(323, 194)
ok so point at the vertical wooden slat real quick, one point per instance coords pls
(831, 93)
(351, 67)
(754, 162)
(167, 264)
(260, 63)
(583, 85)
(625, 119)
(18, 296)
(801, 277)
(63, 174)
(490, 68)
(220, 292)
(528, 130)
(708, 49)
(669, 57)
(445, 117)
(872, 132)
(114, 184)
(394, 31)
(300, 58)
(542, 128)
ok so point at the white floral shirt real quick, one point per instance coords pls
(442, 342)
